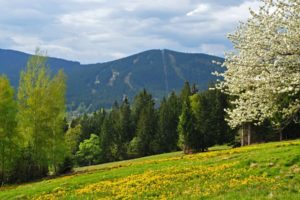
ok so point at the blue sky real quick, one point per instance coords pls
(92, 31)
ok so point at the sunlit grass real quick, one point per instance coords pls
(266, 171)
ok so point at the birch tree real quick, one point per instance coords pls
(8, 134)
(41, 104)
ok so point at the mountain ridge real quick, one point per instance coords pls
(100, 84)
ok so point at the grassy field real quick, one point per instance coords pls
(266, 171)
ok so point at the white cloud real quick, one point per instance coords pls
(202, 8)
(213, 49)
(101, 30)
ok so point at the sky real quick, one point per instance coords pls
(93, 31)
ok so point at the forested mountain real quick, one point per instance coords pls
(99, 85)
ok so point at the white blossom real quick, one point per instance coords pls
(263, 72)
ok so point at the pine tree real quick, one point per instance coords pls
(168, 117)
(146, 123)
(126, 128)
(107, 141)
(186, 127)
(174, 109)
(185, 92)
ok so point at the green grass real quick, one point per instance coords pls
(264, 171)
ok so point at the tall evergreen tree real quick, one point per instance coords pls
(107, 141)
(168, 117)
(186, 127)
(185, 92)
(146, 123)
(204, 135)
(174, 108)
(126, 128)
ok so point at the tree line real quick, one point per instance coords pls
(192, 121)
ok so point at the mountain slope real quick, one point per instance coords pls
(264, 171)
(159, 71)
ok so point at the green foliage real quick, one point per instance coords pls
(89, 151)
(108, 138)
(8, 133)
(72, 138)
(26, 167)
(146, 123)
(125, 129)
(41, 113)
(185, 92)
(186, 127)
(202, 121)
(166, 137)
(66, 166)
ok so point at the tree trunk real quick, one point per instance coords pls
(280, 135)
(242, 137)
(2, 163)
(249, 134)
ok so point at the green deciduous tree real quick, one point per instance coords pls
(72, 139)
(41, 104)
(8, 133)
(89, 151)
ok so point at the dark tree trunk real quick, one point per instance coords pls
(242, 136)
(280, 135)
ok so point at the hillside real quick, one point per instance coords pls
(159, 71)
(265, 171)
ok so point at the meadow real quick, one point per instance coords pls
(262, 171)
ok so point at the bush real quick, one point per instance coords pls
(66, 166)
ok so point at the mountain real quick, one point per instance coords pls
(100, 84)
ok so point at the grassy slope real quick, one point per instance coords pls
(266, 171)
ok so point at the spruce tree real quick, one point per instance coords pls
(126, 127)
(146, 123)
(185, 92)
(186, 127)
(168, 117)
(107, 141)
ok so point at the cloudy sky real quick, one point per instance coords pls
(92, 31)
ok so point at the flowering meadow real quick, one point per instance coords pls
(263, 171)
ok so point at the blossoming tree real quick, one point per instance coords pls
(263, 72)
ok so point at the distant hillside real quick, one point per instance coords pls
(99, 85)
